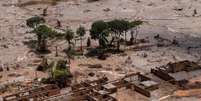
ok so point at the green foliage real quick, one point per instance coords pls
(59, 73)
(103, 41)
(60, 69)
(135, 23)
(116, 26)
(44, 31)
(69, 35)
(126, 25)
(34, 21)
(119, 26)
(81, 31)
(61, 64)
(98, 28)
(94, 52)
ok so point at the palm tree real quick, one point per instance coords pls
(81, 32)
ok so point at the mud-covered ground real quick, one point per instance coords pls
(171, 19)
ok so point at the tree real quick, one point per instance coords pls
(81, 32)
(43, 32)
(34, 21)
(88, 42)
(103, 41)
(135, 25)
(69, 35)
(117, 27)
(126, 27)
(60, 72)
(99, 30)
(45, 12)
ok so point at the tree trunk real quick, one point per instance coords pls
(118, 42)
(81, 43)
(44, 45)
(111, 41)
(132, 37)
(75, 44)
(68, 43)
(136, 31)
(118, 45)
(39, 42)
(56, 51)
(125, 37)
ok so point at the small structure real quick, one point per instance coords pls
(178, 72)
(110, 88)
(33, 94)
(101, 89)
(141, 84)
(100, 96)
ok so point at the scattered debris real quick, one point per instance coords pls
(45, 12)
(187, 93)
(178, 9)
(86, 11)
(128, 60)
(194, 12)
(103, 56)
(107, 9)
(91, 74)
(14, 75)
(96, 66)
(151, 4)
(175, 42)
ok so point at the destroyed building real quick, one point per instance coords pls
(179, 72)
